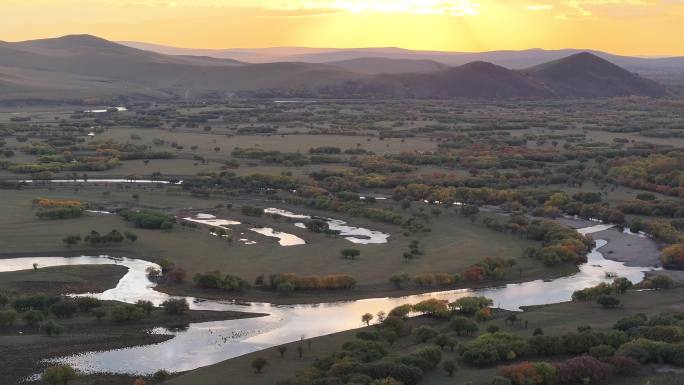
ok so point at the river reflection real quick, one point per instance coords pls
(207, 343)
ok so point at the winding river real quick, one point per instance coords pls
(202, 344)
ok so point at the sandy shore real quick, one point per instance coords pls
(631, 249)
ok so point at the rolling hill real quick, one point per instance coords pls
(87, 69)
(472, 80)
(98, 68)
(587, 75)
(582, 75)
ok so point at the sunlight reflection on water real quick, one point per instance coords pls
(207, 343)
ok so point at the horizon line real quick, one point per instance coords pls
(125, 42)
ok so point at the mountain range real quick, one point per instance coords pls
(655, 66)
(88, 69)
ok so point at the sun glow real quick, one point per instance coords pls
(424, 7)
(645, 27)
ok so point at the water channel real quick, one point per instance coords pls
(202, 344)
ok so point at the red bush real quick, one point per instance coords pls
(580, 369)
(624, 366)
(523, 373)
(474, 273)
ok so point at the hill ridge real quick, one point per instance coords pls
(100, 68)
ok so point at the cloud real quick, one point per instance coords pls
(425, 7)
(582, 9)
(539, 7)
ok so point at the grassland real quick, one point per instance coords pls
(454, 243)
(62, 280)
(508, 147)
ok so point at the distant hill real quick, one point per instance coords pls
(381, 65)
(208, 60)
(666, 67)
(582, 75)
(587, 75)
(86, 68)
(473, 80)
(250, 55)
(72, 63)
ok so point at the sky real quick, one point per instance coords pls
(633, 27)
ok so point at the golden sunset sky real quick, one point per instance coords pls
(635, 27)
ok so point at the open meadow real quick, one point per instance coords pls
(248, 203)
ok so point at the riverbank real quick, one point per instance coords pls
(24, 348)
(358, 293)
(553, 319)
(361, 291)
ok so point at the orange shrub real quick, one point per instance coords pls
(673, 256)
(46, 203)
(443, 279)
(524, 373)
(424, 279)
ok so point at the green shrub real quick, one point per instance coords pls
(175, 306)
(608, 302)
(7, 317)
(123, 313)
(602, 352)
(64, 308)
(61, 375)
(463, 326)
(33, 318)
(148, 219)
(424, 333)
(52, 328)
(489, 349)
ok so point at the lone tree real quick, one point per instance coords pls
(608, 302)
(130, 236)
(441, 340)
(661, 282)
(463, 326)
(52, 328)
(449, 367)
(350, 253)
(367, 318)
(259, 363)
(621, 285)
(175, 306)
(282, 350)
